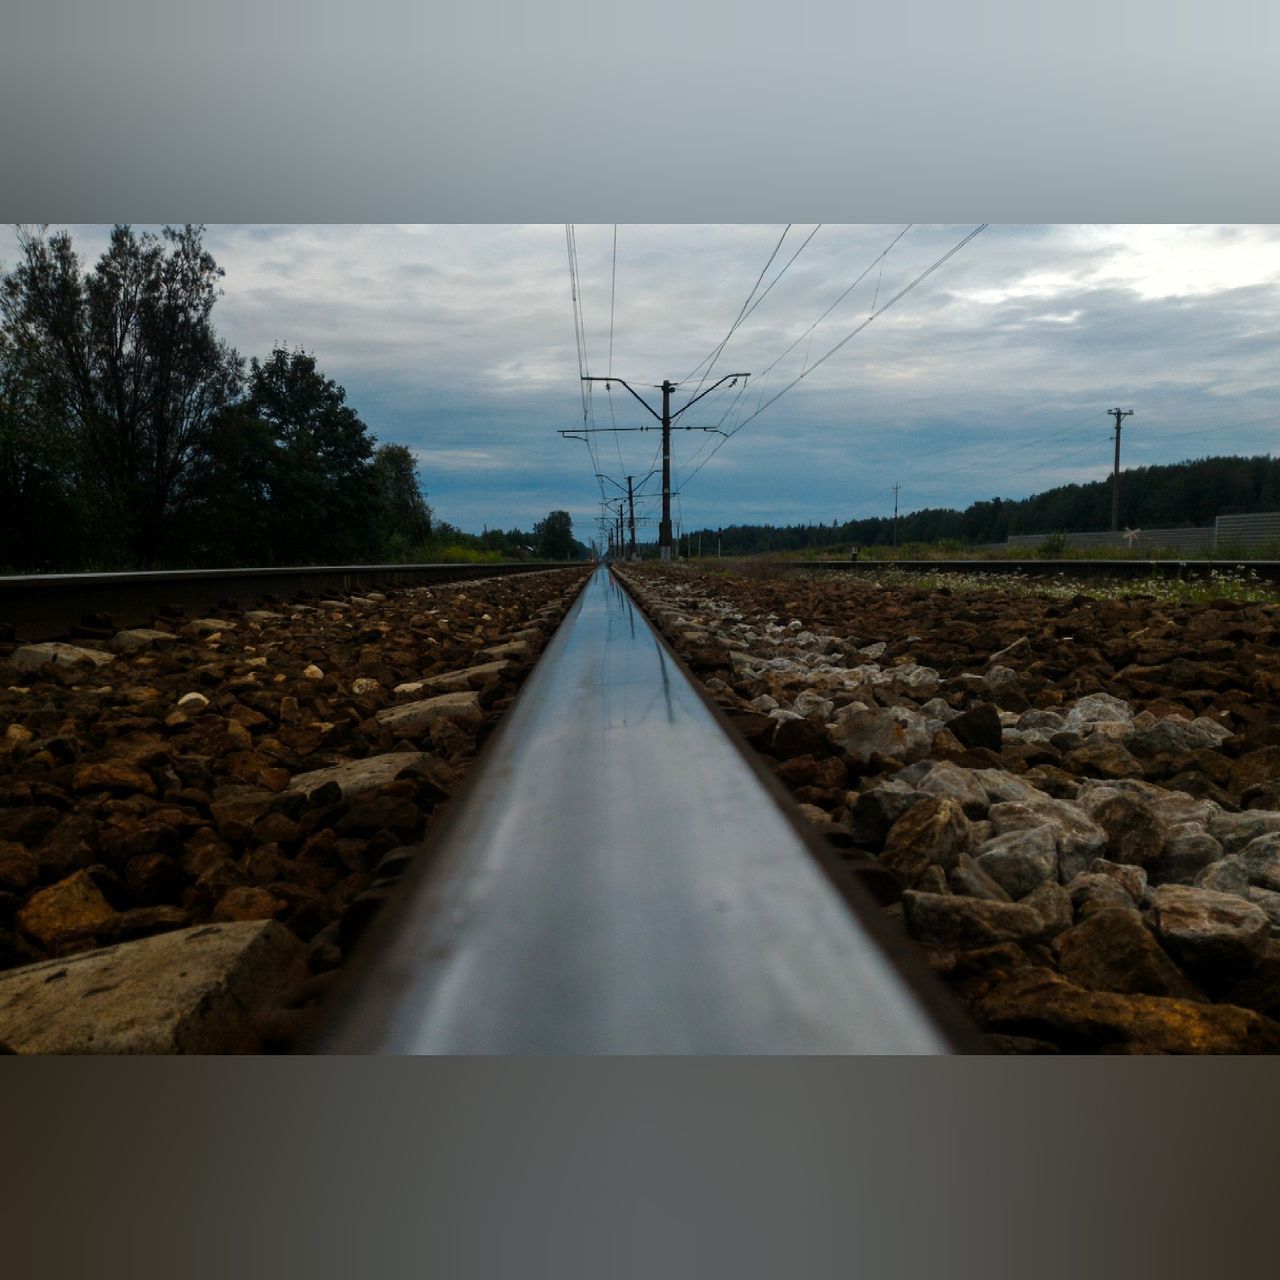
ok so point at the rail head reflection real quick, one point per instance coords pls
(618, 880)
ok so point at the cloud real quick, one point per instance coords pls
(458, 341)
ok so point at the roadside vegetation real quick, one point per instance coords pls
(1054, 547)
(1239, 584)
(1180, 495)
(1221, 584)
(132, 436)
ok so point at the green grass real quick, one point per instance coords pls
(1221, 584)
(1053, 548)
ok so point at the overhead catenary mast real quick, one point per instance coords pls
(666, 419)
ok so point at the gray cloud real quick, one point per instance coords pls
(993, 376)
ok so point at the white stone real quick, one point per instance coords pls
(195, 990)
(1079, 838)
(414, 717)
(31, 657)
(894, 732)
(453, 680)
(139, 638)
(207, 626)
(1097, 707)
(811, 704)
(1020, 861)
(356, 776)
(512, 649)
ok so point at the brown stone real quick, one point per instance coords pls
(1112, 950)
(113, 775)
(1044, 1005)
(1102, 758)
(18, 869)
(932, 832)
(249, 903)
(276, 828)
(1135, 836)
(154, 877)
(69, 907)
(950, 920)
(1211, 934)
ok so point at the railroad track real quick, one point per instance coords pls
(42, 606)
(618, 873)
(621, 876)
(1268, 570)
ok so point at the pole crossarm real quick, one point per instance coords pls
(580, 433)
(708, 391)
(628, 386)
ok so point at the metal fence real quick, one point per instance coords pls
(1250, 532)
(1188, 540)
(1244, 532)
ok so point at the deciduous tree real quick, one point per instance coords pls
(129, 352)
(554, 538)
(324, 496)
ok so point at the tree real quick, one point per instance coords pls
(39, 517)
(405, 515)
(130, 353)
(554, 538)
(324, 496)
(230, 518)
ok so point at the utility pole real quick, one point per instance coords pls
(664, 528)
(896, 487)
(665, 418)
(631, 509)
(1118, 414)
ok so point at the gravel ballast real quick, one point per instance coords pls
(1071, 803)
(266, 764)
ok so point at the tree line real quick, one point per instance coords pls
(132, 436)
(1179, 495)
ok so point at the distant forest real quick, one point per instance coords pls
(1184, 494)
(132, 436)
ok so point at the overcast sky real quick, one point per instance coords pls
(991, 377)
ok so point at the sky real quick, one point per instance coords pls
(991, 376)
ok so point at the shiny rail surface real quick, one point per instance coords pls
(41, 606)
(1266, 570)
(618, 880)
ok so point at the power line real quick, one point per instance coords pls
(763, 379)
(764, 375)
(781, 273)
(883, 254)
(613, 289)
(580, 338)
(897, 297)
(715, 354)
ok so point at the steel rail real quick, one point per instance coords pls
(41, 606)
(1268, 570)
(616, 879)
